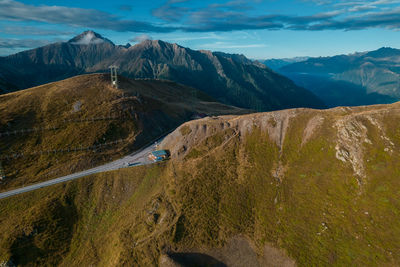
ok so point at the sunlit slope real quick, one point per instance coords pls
(62, 127)
(305, 187)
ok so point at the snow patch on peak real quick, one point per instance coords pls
(87, 38)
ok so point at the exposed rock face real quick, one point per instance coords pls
(353, 129)
(275, 123)
(351, 134)
(312, 125)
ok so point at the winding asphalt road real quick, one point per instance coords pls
(138, 157)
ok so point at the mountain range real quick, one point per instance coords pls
(231, 79)
(277, 63)
(356, 79)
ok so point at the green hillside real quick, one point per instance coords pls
(63, 127)
(295, 187)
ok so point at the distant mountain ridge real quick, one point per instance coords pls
(56, 61)
(277, 63)
(231, 79)
(366, 76)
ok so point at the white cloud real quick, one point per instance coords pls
(228, 17)
(21, 43)
(141, 38)
(88, 38)
(32, 30)
(225, 45)
(78, 17)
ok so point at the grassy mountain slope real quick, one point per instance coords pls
(62, 127)
(305, 187)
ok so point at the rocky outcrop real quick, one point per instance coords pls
(312, 125)
(353, 135)
(352, 128)
(194, 132)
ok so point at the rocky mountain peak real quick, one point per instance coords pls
(153, 43)
(89, 38)
(127, 45)
(384, 52)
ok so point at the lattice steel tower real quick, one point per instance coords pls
(2, 174)
(114, 76)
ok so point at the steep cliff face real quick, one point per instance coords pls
(295, 187)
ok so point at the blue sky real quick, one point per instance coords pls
(256, 28)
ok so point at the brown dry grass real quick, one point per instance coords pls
(144, 110)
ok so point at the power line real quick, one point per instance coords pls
(93, 148)
(120, 116)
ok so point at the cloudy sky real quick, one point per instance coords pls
(256, 28)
